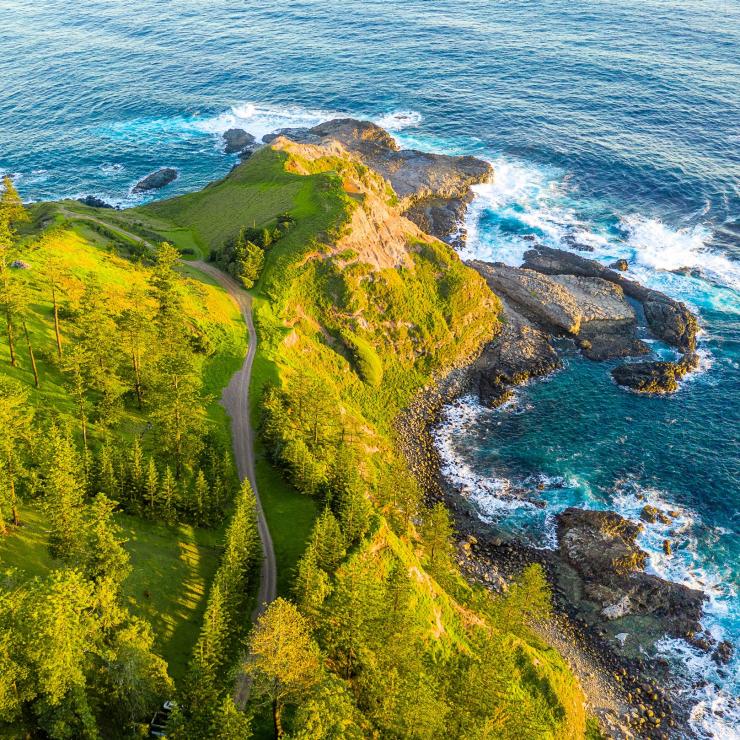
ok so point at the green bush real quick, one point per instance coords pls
(368, 364)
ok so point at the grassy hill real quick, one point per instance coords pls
(356, 311)
(350, 328)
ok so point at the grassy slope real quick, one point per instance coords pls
(173, 566)
(419, 321)
(253, 195)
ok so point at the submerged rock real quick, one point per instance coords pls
(655, 377)
(156, 180)
(601, 547)
(237, 140)
(724, 652)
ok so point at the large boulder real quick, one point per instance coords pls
(592, 309)
(655, 377)
(156, 180)
(236, 140)
(667, 318)
(601, 547)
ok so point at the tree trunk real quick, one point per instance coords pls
(137, 376)
(30, 354)
(56, 321)
(14, 504)
(11, 341)
(277, 711)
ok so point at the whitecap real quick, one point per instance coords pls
(399, 120)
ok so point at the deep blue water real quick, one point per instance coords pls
(611, 122)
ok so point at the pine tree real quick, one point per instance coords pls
(284, 661)
(165, 290)
(354, 514)
(311, 587)
(106, 557)
(63, 498)
(135, 322)
(106, 479)
(202, 498)
(16, 416)
(177, 409)
(74, 365)
(136, 473)
(168, 496)
(437, 534)
(12, 212)
(327, 542)
(151, 486)
(57, 278)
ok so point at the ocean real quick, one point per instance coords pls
(609, 123)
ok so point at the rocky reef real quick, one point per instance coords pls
(156, 180)
(591, 309)
(600, 547)
(558, 293)
(433, 189)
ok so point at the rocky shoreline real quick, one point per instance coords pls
(607, 607)
(601, 592)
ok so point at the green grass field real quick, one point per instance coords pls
(172, 568)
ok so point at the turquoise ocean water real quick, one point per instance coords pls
(610, 123)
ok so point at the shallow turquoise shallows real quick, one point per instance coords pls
(611, 123)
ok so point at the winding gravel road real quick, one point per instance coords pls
(235, 400)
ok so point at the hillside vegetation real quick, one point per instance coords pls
(356, 311)
(115, 475)
(376, 633)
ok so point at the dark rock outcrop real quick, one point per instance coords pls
(592, 309)
(434, 189)
(621, 265)
(668, 319)
(600, 546)
(236, 140)
(156, 180)
(724, 652)
(519, 352)
(93, 202)
(655, 377)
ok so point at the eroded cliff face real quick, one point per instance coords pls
(433, 190)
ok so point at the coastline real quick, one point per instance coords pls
(627, 695)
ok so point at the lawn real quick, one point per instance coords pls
(172, 569)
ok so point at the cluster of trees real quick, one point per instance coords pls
(207, 709)
(243, 256)
(75, 662)
(139, 353)
(351, 656)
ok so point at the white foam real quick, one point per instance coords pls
(112, 168)
(256, 118)
(259, 119)
(526, 199)
(659, 247)
(399, 120)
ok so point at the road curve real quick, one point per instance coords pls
(235, 400)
